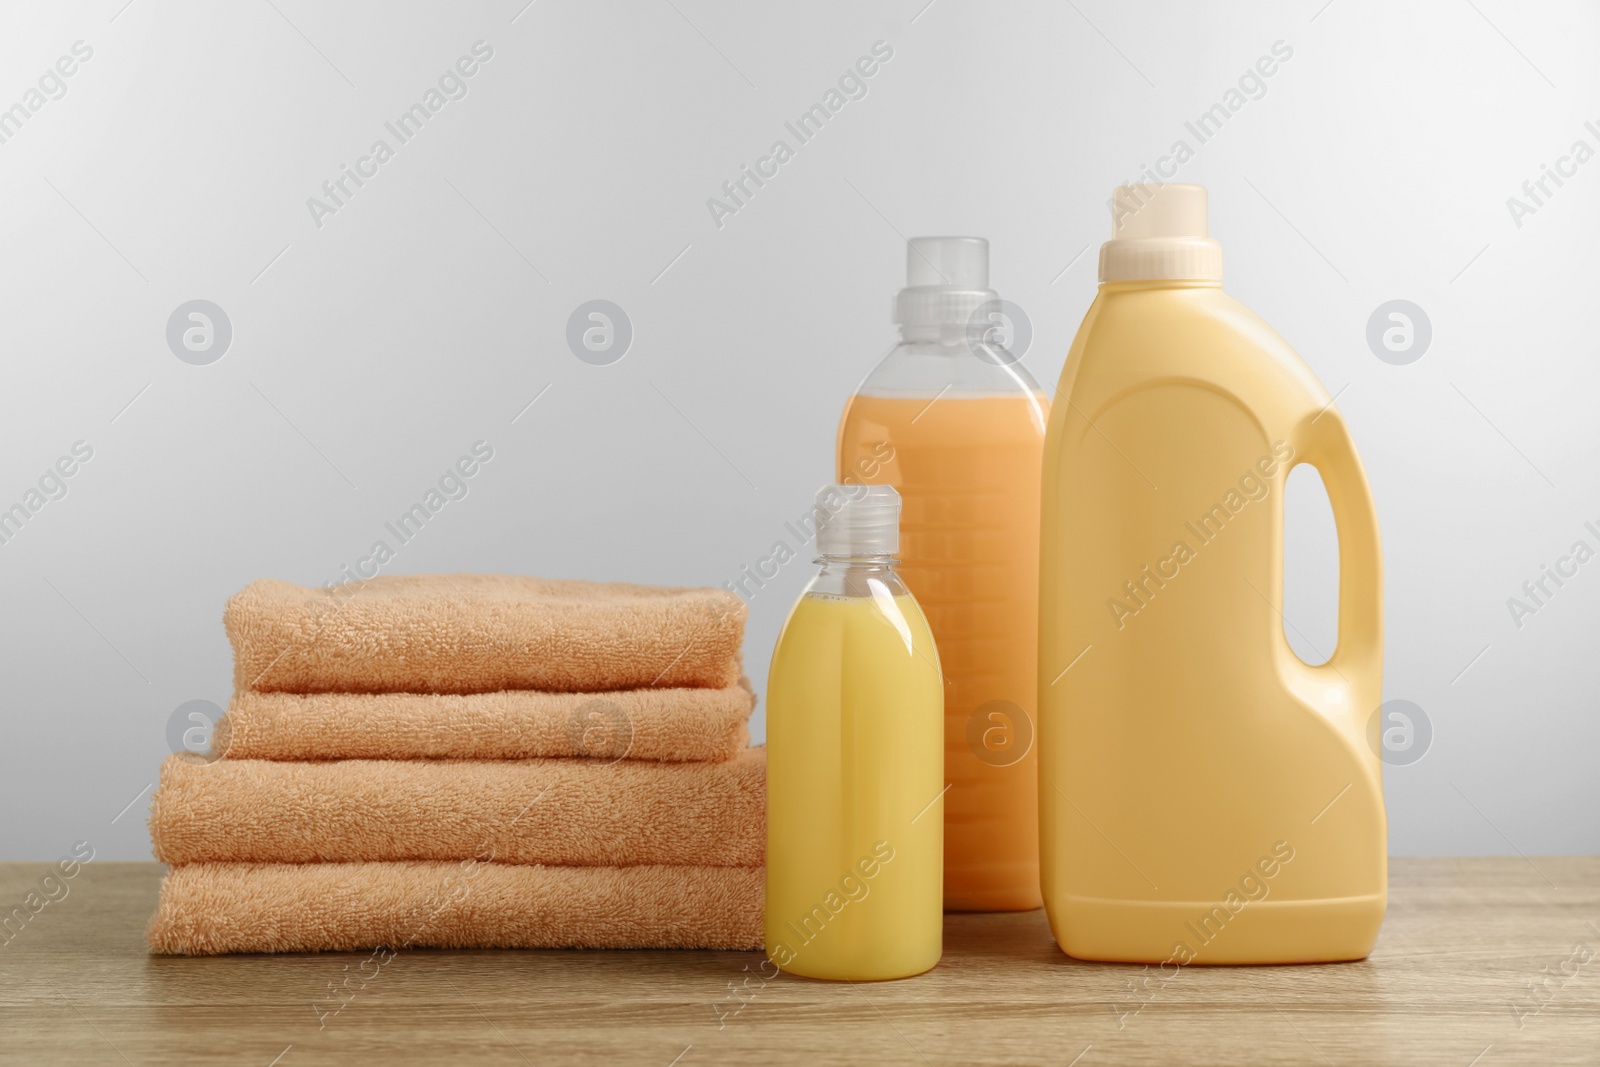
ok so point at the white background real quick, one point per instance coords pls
(369, 353)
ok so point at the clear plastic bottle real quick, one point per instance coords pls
(854, 760)
(952, 420)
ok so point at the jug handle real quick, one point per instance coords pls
(1323, 441)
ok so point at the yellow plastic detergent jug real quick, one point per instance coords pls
(1205, 795)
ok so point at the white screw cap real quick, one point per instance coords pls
(1160, 232)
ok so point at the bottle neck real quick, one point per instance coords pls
(857, 576)
(958, 337)
(1160, 283)
(959, 342)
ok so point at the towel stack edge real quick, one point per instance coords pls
(473, 633)
(664, 725)
(572, 812)
(216, 908)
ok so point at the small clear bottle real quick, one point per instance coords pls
(855, 760)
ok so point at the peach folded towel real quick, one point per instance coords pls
(640, 724)
(212, 908)
(479, 633)
(586, 812)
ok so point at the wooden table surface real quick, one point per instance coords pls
(1481, 962)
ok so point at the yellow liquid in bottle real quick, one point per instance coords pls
(854, 771)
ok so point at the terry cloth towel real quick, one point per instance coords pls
(212, 908)
(479, 633)
(640, 724)
(586, 812)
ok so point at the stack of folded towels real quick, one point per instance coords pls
(470, 761)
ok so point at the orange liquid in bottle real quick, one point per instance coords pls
(968, 472)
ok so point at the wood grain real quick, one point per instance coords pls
(1462, 941)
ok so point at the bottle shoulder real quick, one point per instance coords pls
(932, 368)
(878, 610)
(847, 581)
(1132, 339)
